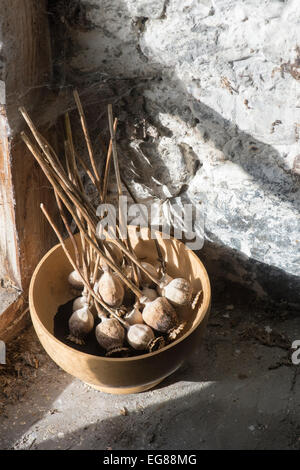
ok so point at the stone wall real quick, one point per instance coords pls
(211, 116)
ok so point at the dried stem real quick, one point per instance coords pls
(60, 208)
(66, 147)
(114, 147)
(119, 185)
(67, 191)
(157, 245)
(74, 176)
(70, 141)
(87, 139)
(79, 272)
(136, 261)
(54, 154)
(45, 148)
(49, 174)
(68, 186)
(86, 169)
(78, 183)
(107, 165)
(65, 221)
(91, 155)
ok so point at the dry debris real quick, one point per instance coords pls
(23, 358)
(124, 411)
(266, 337)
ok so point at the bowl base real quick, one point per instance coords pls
(126, 390)
(136, 389)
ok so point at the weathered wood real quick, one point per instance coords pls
(15, 315)
(25, 73)
(31, 188)
(9, 266)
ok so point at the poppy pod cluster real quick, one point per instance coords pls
(130, 305)
(148, 324)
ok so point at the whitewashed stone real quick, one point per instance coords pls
(148, 9)
(222, 123)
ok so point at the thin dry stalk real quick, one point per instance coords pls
(107, 164)
(83, 277)
(119, 185)
(56, 185)
(54, 154)
(69, 187)
(78, 183)
(114, 147)
(45, 148)
(61, 211)
(95, 273)
(65, 221)
(102, 245)
(86, 169)
(87, 139)
(105, 181)
(72, 176)
(135, 260)
(63, 191)
(157, 245)
(70, 142)
(66, 147)
(75, 177)
(107, 169)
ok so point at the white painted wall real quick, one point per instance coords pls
(229, 98)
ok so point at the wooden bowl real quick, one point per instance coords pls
(49, 289)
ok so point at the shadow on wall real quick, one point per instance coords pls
(223, 262)
(259, 160)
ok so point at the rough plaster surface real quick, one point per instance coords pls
(220, 111)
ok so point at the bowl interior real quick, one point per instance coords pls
(49, 286)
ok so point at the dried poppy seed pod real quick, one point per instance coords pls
(111, 289)
(160, 315)
(110, 334)
(178, 291)
(134, 317)
(75, 280)
(163, 282)
(140, 336)
(81, 324)
(80, 302)
(146, 281)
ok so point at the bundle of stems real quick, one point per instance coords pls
(100, 259)
(70, 195)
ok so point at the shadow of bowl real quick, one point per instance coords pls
(49, 289)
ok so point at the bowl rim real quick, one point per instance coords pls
(35, 317)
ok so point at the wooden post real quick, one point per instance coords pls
(25, 75)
